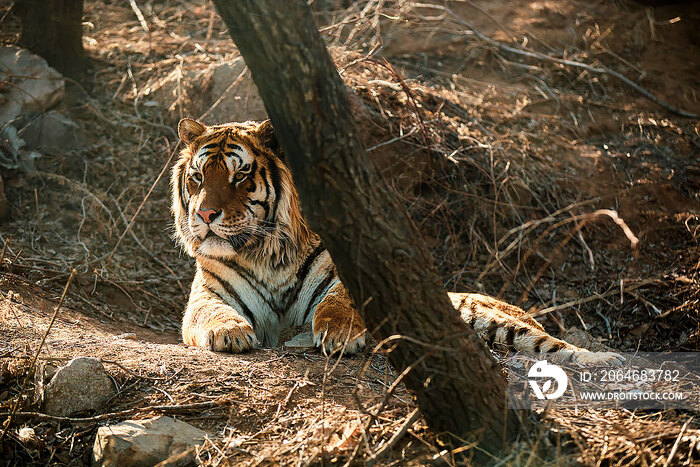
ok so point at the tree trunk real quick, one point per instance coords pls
(53, 30)
(376, 248)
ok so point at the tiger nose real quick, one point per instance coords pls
(208, 215)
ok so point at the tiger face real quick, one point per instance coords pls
(233, 195)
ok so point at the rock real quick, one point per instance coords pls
(181, 459)
(53, 131)
(82, 384)
(136, 443)
(293, 336)
(11, 145)
(33, 86)
(300, 341)
(127, 335)
(13, 154)
(29, 86)
(215, 90)
(240, 103)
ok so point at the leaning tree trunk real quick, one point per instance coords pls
(377, 250)
(53, 30)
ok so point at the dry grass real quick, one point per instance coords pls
(501, 159)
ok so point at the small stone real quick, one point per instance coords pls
(301, 341)
(137, 443)
(82, 384)
(287, 334)
(127, 335)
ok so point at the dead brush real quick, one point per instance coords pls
(475, 159)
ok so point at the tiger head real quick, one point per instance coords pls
(233, 195)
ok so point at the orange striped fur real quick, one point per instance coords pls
(260, 268)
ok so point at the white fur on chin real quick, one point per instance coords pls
(216, 247)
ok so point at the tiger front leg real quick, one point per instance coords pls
(211, 323)
(337, 324)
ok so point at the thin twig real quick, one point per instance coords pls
(233, 84)
(601, 70)
(210, 29)
(4, 249)
(139, 15)
(634, 242)
(150, 254)
(409, 94)
(581, 301)
(495, 21)
(678, 441)
(138, 210)
(412, 418)
(8, 422)
(128, 371)
(182, 408)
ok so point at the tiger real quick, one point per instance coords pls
(260, 268)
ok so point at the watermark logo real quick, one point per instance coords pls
(648, 380)
(549, 373)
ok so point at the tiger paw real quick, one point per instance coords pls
(233, 336)
(333, 335)
(586, 357)
(337, 326)
(335, 339)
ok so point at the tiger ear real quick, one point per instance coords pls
(267, 137)
(189, 130)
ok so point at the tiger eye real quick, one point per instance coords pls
(239, 177)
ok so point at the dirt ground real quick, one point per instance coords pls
(515, 166)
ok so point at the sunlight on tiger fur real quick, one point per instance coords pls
(260, 268)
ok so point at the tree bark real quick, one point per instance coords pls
(53, 30)
(376, 248)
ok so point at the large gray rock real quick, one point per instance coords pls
(31, 85)
(80, 385)
(54, 132)
(142, 443)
